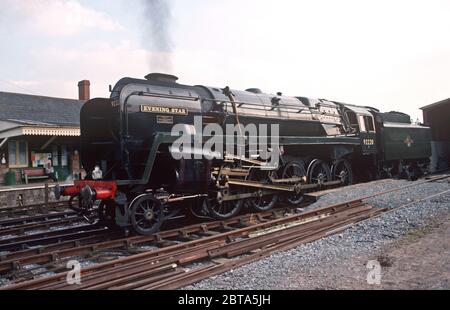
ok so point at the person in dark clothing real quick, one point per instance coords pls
(50, 172)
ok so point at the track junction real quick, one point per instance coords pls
(174, 258)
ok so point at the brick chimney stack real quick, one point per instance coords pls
(84, 91)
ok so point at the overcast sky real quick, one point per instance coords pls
(393, 55)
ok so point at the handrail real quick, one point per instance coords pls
(261, 107)
(288, 108)
(241, 103)
(156, 95)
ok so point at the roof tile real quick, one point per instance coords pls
(40, 109)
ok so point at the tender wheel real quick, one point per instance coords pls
(294, 169)
(319, 172)
(412, 172)
(262, 202)
(107, 213)
(342, 171)
(384, 173)
(147, 215)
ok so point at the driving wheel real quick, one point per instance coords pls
(223, 210)
(319, 172)
(262, 202)
(294, 169)
(342, 171)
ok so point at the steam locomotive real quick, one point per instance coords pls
(139, 179)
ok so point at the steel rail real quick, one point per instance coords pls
(49, 237)
(22, 229)
(195, 276)
(39, 208)
(175, 280)
(185, 234)
(195, 254)
(85, 247)
(224, 237)
(9, 223)
(267, 248)
(405, 187)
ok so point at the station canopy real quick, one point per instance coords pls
(30, 115)
(15, 128)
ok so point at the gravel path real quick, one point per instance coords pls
(339, 261)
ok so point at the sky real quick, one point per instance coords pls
(392, 55)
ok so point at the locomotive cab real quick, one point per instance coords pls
(361, 120)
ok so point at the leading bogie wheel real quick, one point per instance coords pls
(147, 214)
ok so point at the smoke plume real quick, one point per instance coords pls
(157, 35)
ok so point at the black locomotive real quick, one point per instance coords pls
(141, 179)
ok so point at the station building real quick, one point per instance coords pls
(38, 132)
(437, 116)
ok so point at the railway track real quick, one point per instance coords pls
(48, 223)
(30, 220)
(15, 221)
(34, 209)
(49, 237)
(20, 226)
(158, 246)
(170, 264)
(86, 247)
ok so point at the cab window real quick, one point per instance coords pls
(368, 122)
(352, 120)
(351, 116)
(362, 124)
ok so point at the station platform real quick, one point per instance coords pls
(28, 194)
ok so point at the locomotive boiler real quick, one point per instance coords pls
(139, 178)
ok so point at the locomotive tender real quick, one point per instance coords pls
(127, 151)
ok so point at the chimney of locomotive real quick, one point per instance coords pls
(84, 90)
(161, 77)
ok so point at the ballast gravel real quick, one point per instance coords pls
(319, 264)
